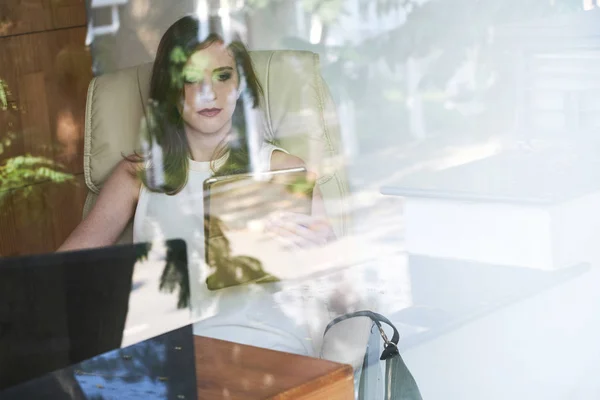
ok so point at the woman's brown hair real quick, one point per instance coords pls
(164, 126)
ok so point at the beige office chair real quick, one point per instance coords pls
(299, 115)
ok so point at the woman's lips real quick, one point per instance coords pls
(209, 112)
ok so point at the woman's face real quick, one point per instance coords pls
(210, 90)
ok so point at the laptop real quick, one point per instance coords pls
(62, 308)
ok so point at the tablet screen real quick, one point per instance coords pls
(239, 248)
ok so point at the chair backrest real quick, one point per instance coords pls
(298, 114)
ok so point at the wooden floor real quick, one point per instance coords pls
(46, 68)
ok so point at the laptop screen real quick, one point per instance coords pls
(62, 308)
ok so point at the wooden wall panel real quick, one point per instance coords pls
(48, 74)
(32, 210)
(27, 16)
(47, 69)
(67, 13)
(40, 219)
(67, 80)
(10, 121)
(23, 16)
(26, 52)
(69, 199)
(8, 229)
(36, 134)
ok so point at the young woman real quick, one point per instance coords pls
(196, 90)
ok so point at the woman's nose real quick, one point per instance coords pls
(207, 87)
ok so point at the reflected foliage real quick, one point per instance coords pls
(302, 187)
(451, 27)
(241, 205)
(24, 170)
(445, 35)
(175, 276)
(227, 270)
(3, 95)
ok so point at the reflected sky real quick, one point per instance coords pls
(160, 368)
(97, 379)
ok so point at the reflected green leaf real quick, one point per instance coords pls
(178, 56)
(302, 186)
(3, 95)
(192, 73)
(25, 170)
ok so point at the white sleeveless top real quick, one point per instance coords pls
(242, 314)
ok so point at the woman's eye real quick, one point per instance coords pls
(192, 75)
(191, 79)
(225, 76)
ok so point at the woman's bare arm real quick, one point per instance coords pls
(114, 208)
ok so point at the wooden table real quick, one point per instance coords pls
(180, 365)
(233, 371)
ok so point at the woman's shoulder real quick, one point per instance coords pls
(131, 166)
(127, 172)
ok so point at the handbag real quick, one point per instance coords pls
(399, 382)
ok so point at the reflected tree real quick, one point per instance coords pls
(443, 35)
(175, 275)
(226, 269)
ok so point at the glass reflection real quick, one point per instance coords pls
(477, 122)
(159, 368)
(64, 308)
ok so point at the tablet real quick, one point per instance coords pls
(239, 250)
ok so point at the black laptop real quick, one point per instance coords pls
(62, 308)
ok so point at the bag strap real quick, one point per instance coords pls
(390, 346)
(399, 382)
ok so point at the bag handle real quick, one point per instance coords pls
(390, 346)
(399, 382)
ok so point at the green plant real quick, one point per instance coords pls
(25, 170)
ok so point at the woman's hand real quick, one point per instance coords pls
(297, 230)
